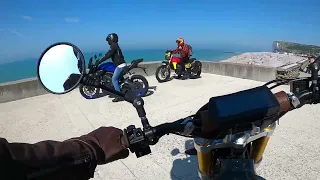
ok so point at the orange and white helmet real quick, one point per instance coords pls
(180, 41)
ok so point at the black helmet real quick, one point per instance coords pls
(112, 37)
(311, 56)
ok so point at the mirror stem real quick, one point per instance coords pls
(138, 104)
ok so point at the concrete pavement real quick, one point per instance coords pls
(292, 153)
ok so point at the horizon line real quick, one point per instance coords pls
(97, 52)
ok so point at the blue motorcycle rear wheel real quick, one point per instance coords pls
(142, 87)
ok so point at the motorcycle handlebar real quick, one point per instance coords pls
(136, 139)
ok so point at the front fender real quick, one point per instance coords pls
(237, 169)
(164, 62)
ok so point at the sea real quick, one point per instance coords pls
(27, 68)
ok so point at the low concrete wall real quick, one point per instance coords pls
(258, 73)
(31, 87)
(20, 89)
(25, 88)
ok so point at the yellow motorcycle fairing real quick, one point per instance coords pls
(174, 64)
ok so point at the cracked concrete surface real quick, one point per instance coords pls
(293, 151)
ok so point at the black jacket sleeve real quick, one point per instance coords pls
(113, 49)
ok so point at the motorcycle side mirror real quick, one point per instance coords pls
(61, 68)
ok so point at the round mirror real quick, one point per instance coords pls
(61, 67)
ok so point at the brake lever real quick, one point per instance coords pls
(188, 126)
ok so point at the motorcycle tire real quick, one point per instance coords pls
(145, 83)
(199, 67)
(196, 70)
(89, 95)
(158, 71)
(178, 71)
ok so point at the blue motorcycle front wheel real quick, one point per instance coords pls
(89, 92)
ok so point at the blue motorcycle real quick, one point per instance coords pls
(128, 81)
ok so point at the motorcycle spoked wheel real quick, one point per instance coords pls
(89, 92)
(138, 85)
(178, 71)
(163, 73)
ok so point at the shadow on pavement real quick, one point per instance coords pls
(150, 92)
(103, 93)
(185, 167)
(181, 79)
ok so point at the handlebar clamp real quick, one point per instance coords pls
(137, 141)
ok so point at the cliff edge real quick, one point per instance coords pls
(295, 48)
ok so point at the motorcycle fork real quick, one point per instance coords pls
(259, 145)
(205, 158)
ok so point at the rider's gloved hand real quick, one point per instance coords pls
(106, 142)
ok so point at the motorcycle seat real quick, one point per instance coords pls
(137, 61)
(191, 60)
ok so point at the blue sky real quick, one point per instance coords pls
(28, 27)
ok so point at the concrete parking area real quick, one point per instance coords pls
(293, 151)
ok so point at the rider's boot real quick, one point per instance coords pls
(185, 75)
(117, 99)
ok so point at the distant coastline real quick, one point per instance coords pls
(264, 59)
(295, 48)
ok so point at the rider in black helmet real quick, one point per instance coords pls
(117, 58)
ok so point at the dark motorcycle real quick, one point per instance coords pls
(163, 72)
(128, 81)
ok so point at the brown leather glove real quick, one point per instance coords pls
(107, 144)
(75, 158)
